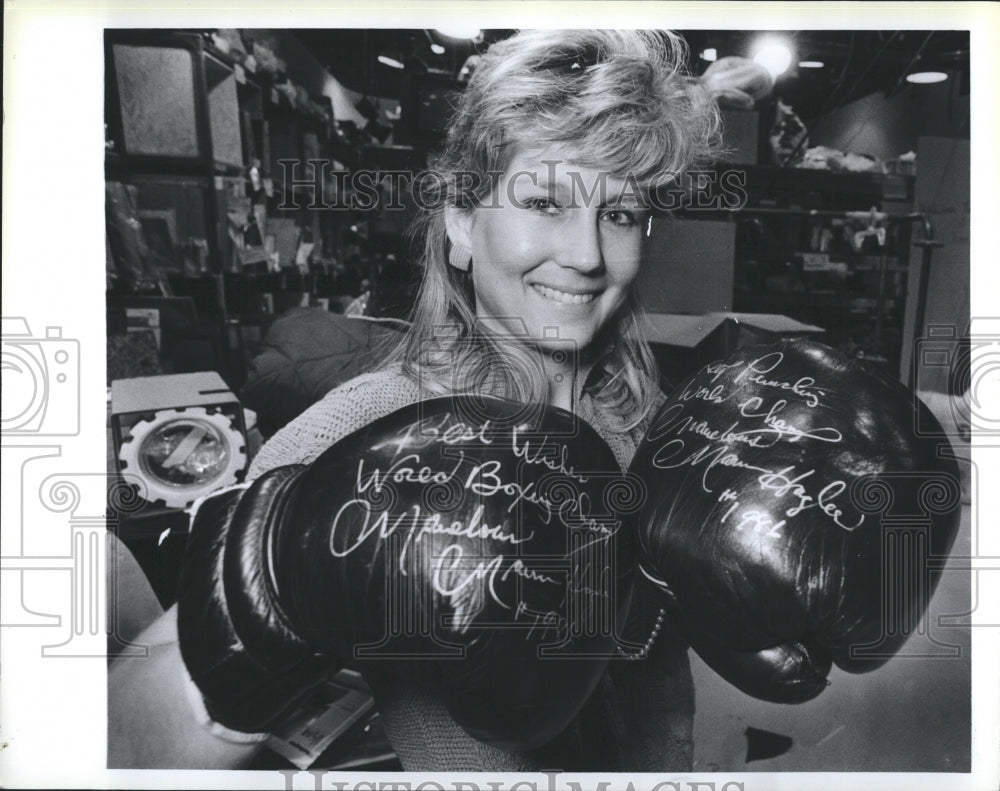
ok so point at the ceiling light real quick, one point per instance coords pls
(459, 31)
(811, 64)
(930, 67)
(385, 59)
(437, 49)
(710, 54)
(926, 77)
(773, 54)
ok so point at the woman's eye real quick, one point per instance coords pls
(620, 217)
(543, 205)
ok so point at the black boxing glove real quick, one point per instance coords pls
(465, 543)
(794, 516)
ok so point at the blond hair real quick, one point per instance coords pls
(622, 103)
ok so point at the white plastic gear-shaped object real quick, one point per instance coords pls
(184, 454)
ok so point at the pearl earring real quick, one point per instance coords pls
(460, 256)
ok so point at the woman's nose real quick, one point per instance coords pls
(581, 245)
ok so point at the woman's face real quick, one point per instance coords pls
(556, 251)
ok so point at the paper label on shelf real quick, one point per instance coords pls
(823, 266)
(137, 319)
(250, 256)
(813, 262)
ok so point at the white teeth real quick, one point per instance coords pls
(561, 296)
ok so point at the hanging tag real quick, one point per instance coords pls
(303, 253)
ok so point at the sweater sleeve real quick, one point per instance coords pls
(340, 412)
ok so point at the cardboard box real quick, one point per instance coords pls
(684, 343)
(740, 137)
(688, 267)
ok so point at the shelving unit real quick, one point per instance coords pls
(795, 253)
(198, 140)
(173, 119)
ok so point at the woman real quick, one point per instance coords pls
(532, 243)
(543, 189)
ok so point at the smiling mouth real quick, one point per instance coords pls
(563, 297)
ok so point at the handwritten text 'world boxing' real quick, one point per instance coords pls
(360, 520)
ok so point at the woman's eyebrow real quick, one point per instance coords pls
(616, 196)
(626, 196)
(558, 184)
(625, 202)
(559, 187)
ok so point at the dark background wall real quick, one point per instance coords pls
(887, 126)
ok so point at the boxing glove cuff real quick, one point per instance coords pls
(791, 672)
(217, 730)
(237, 647)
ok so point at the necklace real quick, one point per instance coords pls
(643, 652)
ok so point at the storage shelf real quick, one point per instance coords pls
(795, 184)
